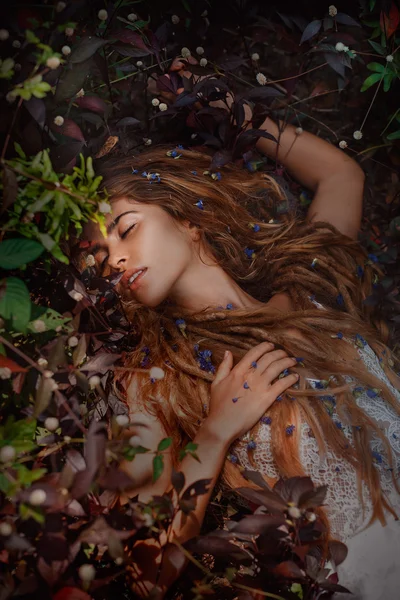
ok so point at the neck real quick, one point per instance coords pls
(207, 285)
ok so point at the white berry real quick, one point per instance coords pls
(37, 497)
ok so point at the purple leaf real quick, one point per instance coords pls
(37, 109)
(70, 129)
(130, 37)
(272, 501)
(346, 20)
(93, 103)
(101, 363)
(85, 49)
(311, 30)
(338, 551)
(335, 62)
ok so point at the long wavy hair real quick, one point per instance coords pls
(306, 261)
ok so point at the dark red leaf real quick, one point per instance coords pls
(130, 37)
(70, 129)
(266, 498)
(289, 570)
(390, 22)
(85, 48)
(314, 498)
(10, 364)
(92, 103)
(311, 30)
(71, 593)
(338, 552)
(291, 489)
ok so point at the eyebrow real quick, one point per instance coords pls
(110, 228)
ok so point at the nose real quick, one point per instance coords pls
(117, 259)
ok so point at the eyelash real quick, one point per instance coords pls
(123, 236)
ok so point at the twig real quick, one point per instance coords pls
(373, 99)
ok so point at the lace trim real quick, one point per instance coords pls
(345, 510)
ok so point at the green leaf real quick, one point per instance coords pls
(164, 444)
(378, 48)
(374, 66)
(394, 136)
(370, 81)
(18, 252)
(51, 318)
(158, 466)
(15, 303)
(27, 476)
(28, 512)
(130, 452)
(387, 81)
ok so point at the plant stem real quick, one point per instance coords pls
(373, 99)
(3, 153)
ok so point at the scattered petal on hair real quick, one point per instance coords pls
(373, 258)
(234, 400)
(135, 171)
(250, 253)
(338, 424)
(290, 429)
(372, 392)
(377, 457)
(314, 262)
(200, 204)
(251, 445)
(266, 420)
(173, 154)
(232, 458)
(181, 325)
(284, 373)
(340, 300)
(229, 306)
(216, 176)
(359, 271)
(339, 335)
(254, 364)
(193, 172)
(279, 398)
(360, 341)
(246, 385)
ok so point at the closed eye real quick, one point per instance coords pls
(125, 233)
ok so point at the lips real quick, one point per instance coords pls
(130, 278)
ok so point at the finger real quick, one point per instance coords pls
(281, 385)
(224, 368)
(277, 367)
(251, 356)
(268, 358)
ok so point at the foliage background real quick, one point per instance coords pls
(75, 86)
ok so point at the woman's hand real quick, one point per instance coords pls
(241, 395)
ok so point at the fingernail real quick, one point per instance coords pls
(226, 354)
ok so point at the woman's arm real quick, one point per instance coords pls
(336, 179)
(226, 422)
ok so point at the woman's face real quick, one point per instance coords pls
(143, 237)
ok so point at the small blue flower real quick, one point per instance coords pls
(200, 204)
(359, 271)
(300, 361)
(320, 384)
(254, 364)
(229, 306)
(290, 429)
(372, 392)
(284, 373)
(338, 424)
(235, 399)
(232, 458)
(339, 335)
(373, 258)
(312, 298)
(152, 380)
(358, 427)
(180, 147)
(251, 445)
(193, 172)
(181, 325)
(279, 398)
(196, 347)
(377, 457)
(256, 228)
(314, 262)
(249, 252)
(340, 300)
(216, 176)
(266, 420)
(135, 171)
(174, 347)
(337, 469)
(144, 174)
(246, 385)
(360, 341)
(173, 154)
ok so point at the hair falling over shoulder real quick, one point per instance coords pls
(242, 211)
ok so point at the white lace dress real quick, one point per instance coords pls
(372, 568)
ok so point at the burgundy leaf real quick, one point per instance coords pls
(266, 498)
(185, 99)
(346, 20)
(82, 484)
(131, 51)
(70, 129)
(101, 363)
(217, 547)
(338, 552)
(247, 139)
(257, 524)
(95, 446)
(10, 188)
(220, 158)
(311, 30)
(289, 570)
(37, 109)
(335, 62)
(313, 498)
(71, 593)
(61, 156)
(92, 103)
(178, 480)
(85, 48)
(257, 478)
(169, 83)
(127, 122)
(291, 489)
(72, 80)
(198, 488)
(130, 37)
